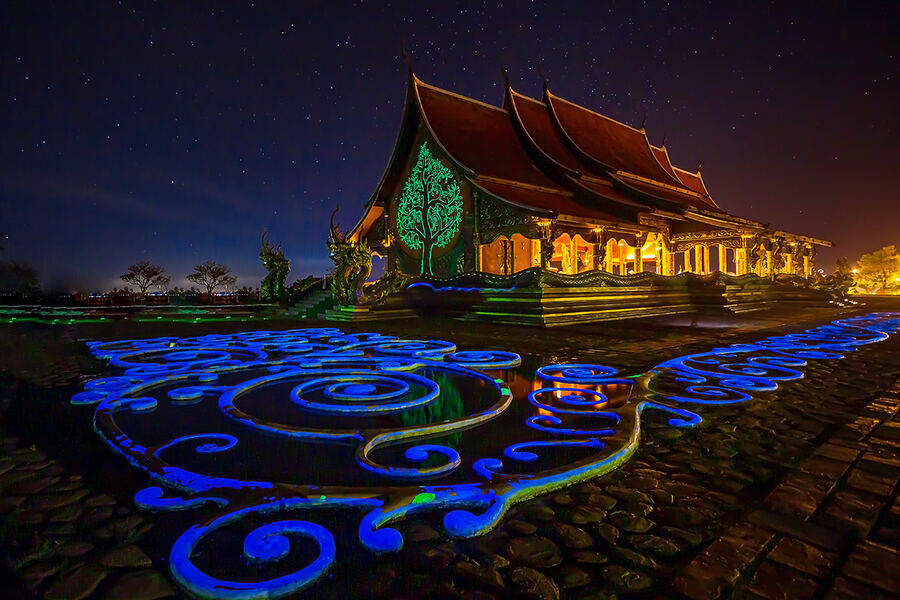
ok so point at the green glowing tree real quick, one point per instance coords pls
(144, 275)
(879, 270)
(212, 275)
(430, 209)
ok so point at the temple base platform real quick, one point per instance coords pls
(359, 314)
(538, 302)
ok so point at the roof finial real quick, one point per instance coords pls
(543, 77)
(663, 144)
(698, 165)
(405, 56)
(505, 75)
(643, 120)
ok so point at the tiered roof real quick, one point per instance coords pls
(554, 158)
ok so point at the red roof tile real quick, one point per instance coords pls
(610, 143)
(479, 136)
(538, 123)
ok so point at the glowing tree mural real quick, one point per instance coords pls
(430, 209)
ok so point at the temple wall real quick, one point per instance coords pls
(409, 251)
(551, 306)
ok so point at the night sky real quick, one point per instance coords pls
(176, 132)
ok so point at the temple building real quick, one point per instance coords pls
(548, 184)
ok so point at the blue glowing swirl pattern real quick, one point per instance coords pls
(410, 408)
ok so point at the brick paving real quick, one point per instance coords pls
(830, 529)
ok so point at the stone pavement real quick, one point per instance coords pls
(67, 540)
(831, 526)
(790, 495)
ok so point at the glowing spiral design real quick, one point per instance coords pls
(212, 443)
(728, 375)
(576, 373)
(365, 392)
(484, 360)
(265, 544)
(417, 348)
(581, 399)
(332, 396)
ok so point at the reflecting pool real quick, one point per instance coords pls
(268, 430)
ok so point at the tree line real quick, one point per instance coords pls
(210, 275)
(877, 272)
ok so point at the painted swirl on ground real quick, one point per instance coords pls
(271, 426)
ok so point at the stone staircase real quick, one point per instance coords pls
(311, 307)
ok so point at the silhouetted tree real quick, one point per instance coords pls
(212, 275)
(18, 277)
(144, 275)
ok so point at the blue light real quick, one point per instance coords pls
(348, 379)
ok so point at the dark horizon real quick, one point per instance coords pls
(177, 134)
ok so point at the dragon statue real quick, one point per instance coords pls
(278, 268)
(352, 267)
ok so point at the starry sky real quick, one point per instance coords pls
(176, 132)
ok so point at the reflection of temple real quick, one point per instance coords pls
(554, 187)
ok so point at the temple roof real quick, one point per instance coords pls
(538, 125)
(613, 145)
(662, 156)
(478, 136)
(552, 157)
(556, 146)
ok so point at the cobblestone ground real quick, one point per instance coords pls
(790, 495)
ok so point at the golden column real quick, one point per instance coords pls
(688, 267)
(608, 259)
(573, 255)
(638, 255)
(742, 256)
(623, 259)
(723, 259)
(596, 248)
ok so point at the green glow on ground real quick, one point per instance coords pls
(423, 498)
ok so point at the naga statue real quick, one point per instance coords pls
(278, 267)
(352, 267)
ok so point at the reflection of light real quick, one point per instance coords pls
(854, 271)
